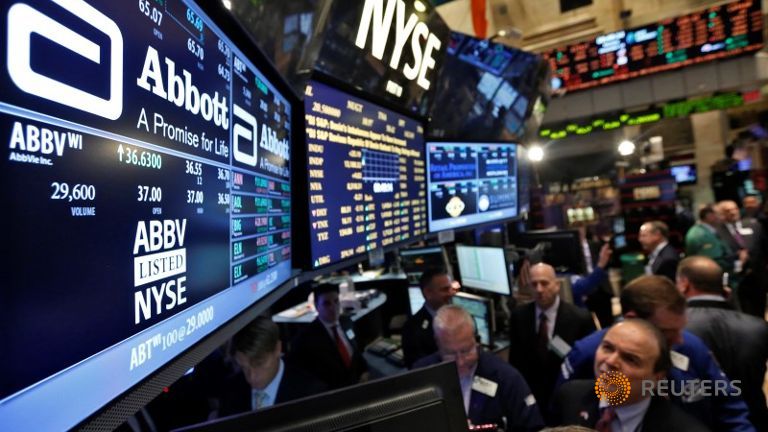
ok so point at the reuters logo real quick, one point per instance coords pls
(612, 387)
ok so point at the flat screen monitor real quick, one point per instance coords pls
(422, 399)
(684, 174)
(415, 260)
(470, 184)
(560, 249)
(366, 175)
(416, 299)
(490, 89)
(481, 309)
(483, 268)
(147, 180)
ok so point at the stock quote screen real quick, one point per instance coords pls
(146, 176)
(714, 33)
(366, 175)
(470, 184)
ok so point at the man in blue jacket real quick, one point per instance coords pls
(656, 299)
(493, 391)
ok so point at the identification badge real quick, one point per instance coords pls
(679, 361)
(350, 334)
(745, 231)
(559, 346)
(484, 386)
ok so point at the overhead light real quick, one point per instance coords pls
(507, 33)
(535, 154)
(420, 7)
(626, 148)
(227, 4)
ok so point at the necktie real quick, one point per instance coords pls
(258, 399)
(737, 237)
(604, 424)
(345, 357)
(542, 341)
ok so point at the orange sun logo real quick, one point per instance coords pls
(612, 387)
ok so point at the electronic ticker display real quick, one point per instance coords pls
(367, 176)
(471, 184)
(146, 178)
(716, 32)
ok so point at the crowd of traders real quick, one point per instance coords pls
(691, 344)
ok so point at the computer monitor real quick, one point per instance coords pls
(149, 190)
(416, 299)
(684, 174)
(560, 249)
(423, 399)
(483, 268)
(481, 309)
(414, 261)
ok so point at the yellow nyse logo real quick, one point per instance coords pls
(612, 387)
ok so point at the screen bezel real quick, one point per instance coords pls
(517, 216)
(300, 183)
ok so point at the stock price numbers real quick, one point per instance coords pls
(194, 197)
(78, 192)
(195, 48)
(141, 158)
(223, 174)
(194, 168)
(151, 12)
(150, 194)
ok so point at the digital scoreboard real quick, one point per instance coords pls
(367, 180)
(146, 176)
(717, 32)
(471, 184)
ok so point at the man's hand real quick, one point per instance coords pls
(605, 256)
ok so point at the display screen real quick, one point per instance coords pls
(391, 49)
(483, 268)
(684, 174)
(146, 180)
(481, 313)
(714, 33)
(415, 299)
(489, 88)
(367, 181)
(471, 184)
(415, 261)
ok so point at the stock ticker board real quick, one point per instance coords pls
(717, 32)
(146, 174)
(367, 175)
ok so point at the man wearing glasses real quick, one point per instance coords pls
(493, 391)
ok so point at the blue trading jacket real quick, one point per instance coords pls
(721, 412)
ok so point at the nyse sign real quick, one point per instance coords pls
(378, 20)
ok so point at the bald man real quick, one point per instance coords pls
(745, 236)
(637, 351)
(541, 333)
(738, 341)
(493, 391)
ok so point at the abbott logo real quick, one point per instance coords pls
(23, 20)
(240, 132)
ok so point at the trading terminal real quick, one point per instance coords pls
(207, 195)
